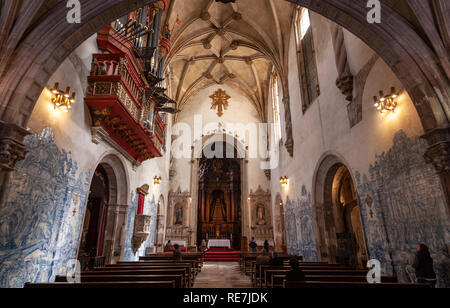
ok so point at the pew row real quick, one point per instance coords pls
(102, 285)
(348, 284)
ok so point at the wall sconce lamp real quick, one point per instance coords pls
(386, 103)
(157, 180)
(62, 100)
(284, 181)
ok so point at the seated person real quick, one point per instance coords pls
(276, 261)
(263, 259)
(253, 245)
(177, 255)
(168, 247)
(296, 273)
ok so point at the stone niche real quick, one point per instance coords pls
(261, 215)
(178, 216)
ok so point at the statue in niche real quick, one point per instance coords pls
(217, 207)
(178, 215)
(261, 215)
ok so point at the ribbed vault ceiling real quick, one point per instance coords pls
(234, 44)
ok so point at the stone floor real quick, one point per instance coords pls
(221, 275)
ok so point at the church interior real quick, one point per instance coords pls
(315, 132)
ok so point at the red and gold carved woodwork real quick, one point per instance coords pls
(115, 97)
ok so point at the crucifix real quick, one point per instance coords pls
(74, 212)
(220, 101)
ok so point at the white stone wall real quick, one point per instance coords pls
(70, 134)
(324, 129)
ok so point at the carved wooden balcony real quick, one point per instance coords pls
(118, 103)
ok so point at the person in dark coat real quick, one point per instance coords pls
(423, 264)
(253, 245)
(275, 260)
(266, 245)
(296, 274)
(177, 255)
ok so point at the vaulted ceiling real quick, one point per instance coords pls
(233, 44)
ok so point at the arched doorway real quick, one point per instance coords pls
(93, 231)
(340, 234)
(102, 234)
(44, 45)
(219, 205)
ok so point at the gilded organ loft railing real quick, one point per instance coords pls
(123, 101)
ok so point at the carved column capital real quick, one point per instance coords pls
(12, 148)
(438, 152)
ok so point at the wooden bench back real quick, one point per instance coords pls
(102, 285)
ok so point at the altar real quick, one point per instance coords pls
(219, 243)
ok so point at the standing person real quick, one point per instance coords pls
(203, 245)
(296, 274)
(253, 245)
(266, 245)
(423, 264)
(177, 255)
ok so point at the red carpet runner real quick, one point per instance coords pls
(221, 255)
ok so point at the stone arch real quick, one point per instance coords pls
(52, 40)
(43, 46)
(117, 208)
(330, 170)
(206, 141)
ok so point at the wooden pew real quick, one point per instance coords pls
(250, 262)
(149, 270)
(277, 280)
(196, 257)
(268, 273)
(259, 273)
(193, 263)
(102, 285)
(128, 277)
(343, 284)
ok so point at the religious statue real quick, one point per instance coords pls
(217, 211)
(260, 216)
(178, 215)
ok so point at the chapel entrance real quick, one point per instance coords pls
(219, 212)
(93, 232)
(340, 236)
(349, 230)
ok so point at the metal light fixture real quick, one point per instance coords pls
(284, 181)
(386, 103)
(62, 100)
(157, 180)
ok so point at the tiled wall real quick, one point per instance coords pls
(40, 222)
(402, 205)
(150, 210)
(407, 208)
(299, 221)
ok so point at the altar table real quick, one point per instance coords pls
(219, 243)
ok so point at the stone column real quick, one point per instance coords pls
(12, 150)
(438, 154)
